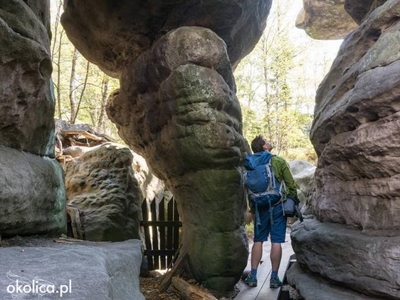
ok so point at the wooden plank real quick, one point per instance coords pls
(155, 234)
(266, 292)
(146, 230)
(160, 252)
(176, 229)
(170, 214)
(161, 223)
(161, 217)
(263, 291)
(263, 273)
(176, 270)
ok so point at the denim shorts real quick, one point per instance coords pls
(277, 229)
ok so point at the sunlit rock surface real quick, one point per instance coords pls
(356, 134)
(325, 20)
(356, 128)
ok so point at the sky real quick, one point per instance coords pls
(317, 55)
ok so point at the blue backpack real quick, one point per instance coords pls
(263, 189)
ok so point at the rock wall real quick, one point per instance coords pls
(356, 128)
(32, 197)
(177, 108)
(353, 238)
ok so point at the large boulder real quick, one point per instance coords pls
(367, 263)
(43, 269)
(312, 286)
(104, 197)
(303, 174)
(26, 102)
(32, 194)
(325, 20)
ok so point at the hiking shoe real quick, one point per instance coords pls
(275, 283)
(251, 281)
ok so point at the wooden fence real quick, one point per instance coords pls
(161, 232)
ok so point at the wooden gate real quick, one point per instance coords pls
(161, 232)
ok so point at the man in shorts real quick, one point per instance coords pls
(275, 229)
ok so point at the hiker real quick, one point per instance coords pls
(268, 220)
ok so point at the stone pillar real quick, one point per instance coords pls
(32, 197)
(177, 107)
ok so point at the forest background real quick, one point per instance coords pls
(276, 83)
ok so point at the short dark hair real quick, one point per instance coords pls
(258, 143)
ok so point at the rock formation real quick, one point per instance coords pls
(38, 268)
(353, 239)
(32, 197)
(103, 196)
(177, 108)
(325, 20)
(105, 183)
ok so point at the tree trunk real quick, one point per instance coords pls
(82, 92)
(187, 291)
(59, 75)
(104, 92)
(72, 87)
(57, 22)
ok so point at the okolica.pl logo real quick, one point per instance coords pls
(20, 286)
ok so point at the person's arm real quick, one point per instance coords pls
(282, 172)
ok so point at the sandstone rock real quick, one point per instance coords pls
(113, 35)
(365, 263)
(150, 186)
(176, 107)
(359, 9)
(87, 271)
(325, 20)
(26, 102)
(32, 195)
(102, 190)
(303, 174)
(356, 128)
(76, 151)
(355, 133)
(312, 286)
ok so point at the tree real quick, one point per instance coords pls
(81, 89)
(276, 96)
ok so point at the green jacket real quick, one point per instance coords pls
(282, 172)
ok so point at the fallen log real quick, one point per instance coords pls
(188, 291)
(83, 134)
(177, 269)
